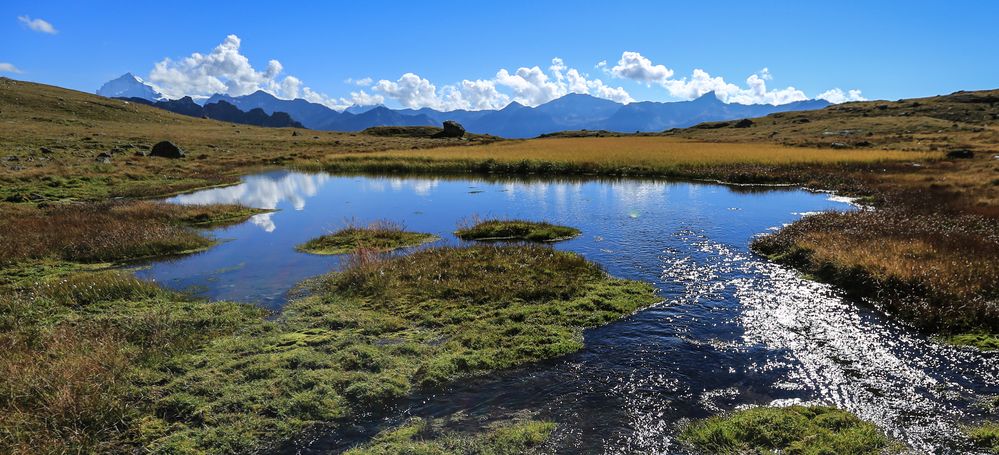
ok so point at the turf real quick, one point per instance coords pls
(533, 231)
(795, 429)
(379, 236)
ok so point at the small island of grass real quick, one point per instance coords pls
(379, 236)
(516, 230)
(793, 429)
(985, 436)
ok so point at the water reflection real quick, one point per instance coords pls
(733, 331)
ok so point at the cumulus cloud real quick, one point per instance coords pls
(837, 96)
(530, 86)
(226, 70)
(38, 25)
(634, 66)
(8, 68)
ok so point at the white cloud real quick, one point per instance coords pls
(837, 96)
(634, 66)
(8, 68)
(38, 25)
(362, 82)
(226, 70)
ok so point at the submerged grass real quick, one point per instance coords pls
(432, 437)
(516, 230)
(379, 236)
(103, 362)
(795, 429)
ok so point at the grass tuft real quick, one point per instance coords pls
(795, 429)
(985, 436)
(379, 236)
(516, 230)
(432, 437)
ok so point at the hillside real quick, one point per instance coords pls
(50, 138)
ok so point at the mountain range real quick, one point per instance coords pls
(223, 111)
(570, 112)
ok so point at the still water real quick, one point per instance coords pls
(733, 330)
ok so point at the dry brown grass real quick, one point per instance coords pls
(657, 152)
(111, 231)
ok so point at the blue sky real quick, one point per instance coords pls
(887, 50)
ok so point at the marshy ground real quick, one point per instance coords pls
(96, 360)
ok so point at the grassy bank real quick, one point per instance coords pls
(794, 429)
(516, 230)
(379, 236)
(120, 363)
(109, 231)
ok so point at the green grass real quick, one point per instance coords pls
(981, 340)
(121, 365)
(516, 230)
(795, 429)
(379, 236)
(985, 436)
(420, 436)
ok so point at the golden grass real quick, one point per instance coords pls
(656, 152)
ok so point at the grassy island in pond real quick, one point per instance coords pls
(379, 236)
(516, 230)
(794, 429)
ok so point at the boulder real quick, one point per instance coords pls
(744, 123)
(451, 129)
(45, 150)
(103, 157)
(166, 149)
(960, 154)
(839, 145)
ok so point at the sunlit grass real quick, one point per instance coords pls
(656, 152)
(533, 231)
(796, 429)
(379, 236)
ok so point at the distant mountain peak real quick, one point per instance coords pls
(709, 97)
(129, 85)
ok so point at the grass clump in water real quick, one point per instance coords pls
(516, 230)
(985, 436)
(380, 236)
(794, 429)
(431, 436)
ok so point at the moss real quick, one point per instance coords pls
(795, 429)
(981, 340)
(985, 436)
(420, 436)
(516, 230)
(379, 237)
(382, 328)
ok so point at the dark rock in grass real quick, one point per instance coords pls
(862, 144)
(839, 145)
(960, 154)
(166, 149)
(451, 129)
(103, 157)
(744, 123)
(294, 133)
(45, 150)
(141, 153)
